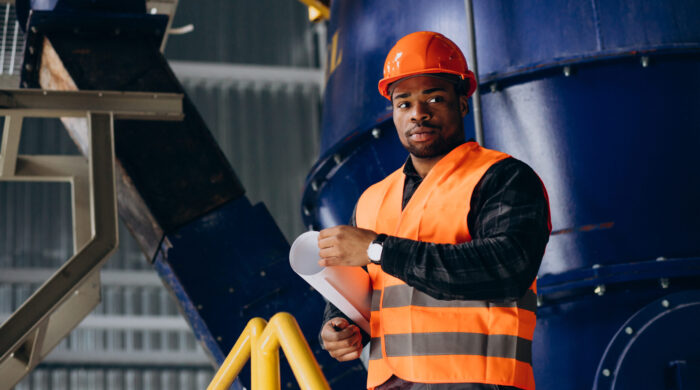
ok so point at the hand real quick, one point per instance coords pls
(344, 245)
(342, 340)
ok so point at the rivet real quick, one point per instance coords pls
(567, 71)
(337, 158)
(154, 11)
(606, 372)
(599, 290)
(665, 303)
(76, 292)
(539, 301)
(289, 385)
(307, 212)
(117, 31)
(34, 29)
(494, 87)
(660, 258)
(664, 282)
(595, 266)
(629, 330)
(262, 273)
(155, 96)
(376, 133)
(645, 61)
(314, 185)
(99, 94)
(31, 49)
(218, 338)
(200, 307)
(28, 67)
(44, 93)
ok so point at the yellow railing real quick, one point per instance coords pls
(260, 342)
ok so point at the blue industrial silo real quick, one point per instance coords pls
(601, 98)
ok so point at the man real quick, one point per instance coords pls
(452, 241)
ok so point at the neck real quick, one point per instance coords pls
(424, 165)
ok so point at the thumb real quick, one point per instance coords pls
(339, 323)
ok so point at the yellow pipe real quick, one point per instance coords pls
(239, 355)
(318, 6)
(284, 331)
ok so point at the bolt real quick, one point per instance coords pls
(629, 330)
(606, 372)
(376, 133)
(664, 282)
(567, 71)
(645, 61)
(600, 290)
(337, 158)
(494, 87)
(665, 303)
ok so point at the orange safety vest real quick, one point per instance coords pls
(426, 340)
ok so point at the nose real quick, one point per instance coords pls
(420, 113)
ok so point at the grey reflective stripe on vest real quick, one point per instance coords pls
(375, 348)
(376, 298)
(404, 295)
(422, 344)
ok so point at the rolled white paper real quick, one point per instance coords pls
(348, 288)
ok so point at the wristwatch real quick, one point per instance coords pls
(374, 250)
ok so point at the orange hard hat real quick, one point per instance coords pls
(425, 52)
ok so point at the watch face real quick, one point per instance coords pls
(374, 252)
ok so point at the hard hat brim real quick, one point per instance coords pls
(385, 82)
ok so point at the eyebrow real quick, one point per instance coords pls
(425, 92)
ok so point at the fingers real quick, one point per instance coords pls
(342, 340)
(338, 329)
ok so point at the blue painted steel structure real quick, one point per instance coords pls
(600, 98)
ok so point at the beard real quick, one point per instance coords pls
(440, 146)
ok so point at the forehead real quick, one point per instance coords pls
(416, 85)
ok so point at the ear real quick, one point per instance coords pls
(463, 105)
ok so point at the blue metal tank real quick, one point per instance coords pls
(601, 98)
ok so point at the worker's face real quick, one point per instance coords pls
(428, 115)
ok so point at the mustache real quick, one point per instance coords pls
(419, 126)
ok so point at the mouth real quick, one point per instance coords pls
(422, 135)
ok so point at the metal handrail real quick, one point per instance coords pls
(260, 342)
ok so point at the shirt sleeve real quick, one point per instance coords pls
(509, 224)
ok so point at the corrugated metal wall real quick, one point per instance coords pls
(269, 131)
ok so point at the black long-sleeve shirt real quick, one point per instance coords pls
(508, 222)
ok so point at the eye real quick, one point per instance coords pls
(402, 105)
(436, 99)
